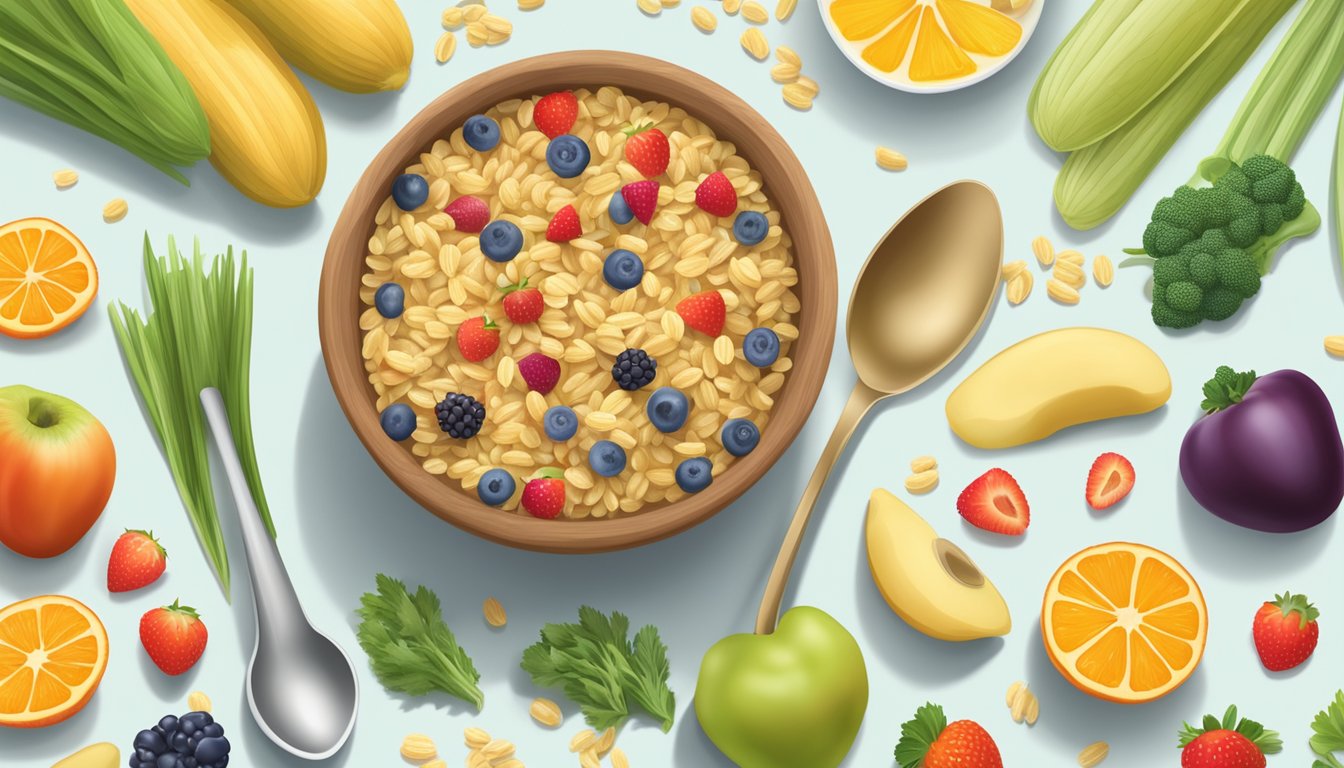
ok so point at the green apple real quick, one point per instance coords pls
(792, 699)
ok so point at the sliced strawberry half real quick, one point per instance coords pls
(994, 502)
(1111, 479)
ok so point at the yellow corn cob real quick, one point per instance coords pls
(359, 46)
(266, 136)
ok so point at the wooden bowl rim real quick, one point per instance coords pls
(733, 120)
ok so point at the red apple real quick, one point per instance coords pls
(57, 465)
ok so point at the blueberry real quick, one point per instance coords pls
(501, 240)
(390, 299)
(398, 421)
(695, 475)
(496, 487)
(761, 347)
(750, 227)
(667, 409)
(619, 210)
(168, 724)
(212, 749)
(568, 156)
(481, 133)
(740, 436)
(410, 191)
(622, 270)
(149, 740)
(561, 423)
(606, 458)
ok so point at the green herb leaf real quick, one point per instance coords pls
(1328, 733)
(409, 646)
(599, 669)
(918, 734)
(1226, 389)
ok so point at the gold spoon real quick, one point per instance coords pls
(919, 300)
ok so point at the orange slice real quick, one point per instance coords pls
(1124, 622)
(53, 651)
(979, 28)
(47, 278)
(889, 50)
(936, 56)
(861, 19)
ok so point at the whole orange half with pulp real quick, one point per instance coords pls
(53, 651)
(1124, 622)
(47, 278)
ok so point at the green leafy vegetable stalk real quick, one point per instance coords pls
(91, 64)
(600, 669)
(1328, 734)
(409, 646)
(198, 334)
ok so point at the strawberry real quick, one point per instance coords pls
(1285, 631)
(477, 338)
(544, 495)
(470, 213)
(641, 197)
(174, 637)
(704, 311)
(523, 305)
(540, 372)
(137, 561)
(929, 741)
(994, 502)
(564, 225)
(647, 149)
(1110, 480)
(716, 195)
(555, 113)
(1227, 744)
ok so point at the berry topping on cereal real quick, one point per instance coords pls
(694, 475)
(540, 372)
(750, 228)
(647, 150)
(398, 421)
(667, 409)
(761, 347)
(740, 436)
(606, 458)
(501, 240)
(564, 225)
(716, 195)
(704, 311)
(560, 422)
(642, 199)
(622, 269)
(461, 416)
(390, 299)
(410, 191)
(544, 494)
(496, 487)
(481, 133)
(470, 213)
(523, 305)
(555, 113)
(618, 209)
(477, 338)
(634, 369)
(568, 156)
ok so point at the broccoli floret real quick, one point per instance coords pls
(1210, 246)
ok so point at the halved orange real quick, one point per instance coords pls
(53, 651)
(1124, 622)
(47, 278)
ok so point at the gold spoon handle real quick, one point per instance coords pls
(860, 400)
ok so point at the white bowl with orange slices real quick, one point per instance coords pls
(930, 46)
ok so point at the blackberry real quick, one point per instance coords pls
(461, 416)
(193, 741)
(634, 369)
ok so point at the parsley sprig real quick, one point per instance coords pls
(410, 648)
(600, 669)
(1328, 734)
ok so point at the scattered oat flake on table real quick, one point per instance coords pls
(1093, 754)
(650, 7)
(1044, 251)
(1103, 271)
(787, 55)
(923, 463)
(582, 740)
(1019, 287)
(922, 482)
(618, 758)
(546, 713)
(891, 160)
(1071, 256)
(530, 5)
(474, 12)
(1066, 271)
(1335, 345)
(494, 612)
(754, 12)
(65, 178)
(198, 702)
(418, 746)
(1012, 269)
(784, 9)
(452, 17)
(784, 74)
(475, 737)
(755, 44)
(731, 7)
(798, 97)
(115, 210)
(1061, 292)
(443, 49)
(704, 19)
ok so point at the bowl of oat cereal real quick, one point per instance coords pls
(580, 302)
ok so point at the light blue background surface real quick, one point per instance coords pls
(341, 521)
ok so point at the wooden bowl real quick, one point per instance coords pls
(339, 306)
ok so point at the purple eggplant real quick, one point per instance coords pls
(1267, 454)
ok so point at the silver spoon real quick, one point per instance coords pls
(300, 685)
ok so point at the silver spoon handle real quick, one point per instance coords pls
(277, 604)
